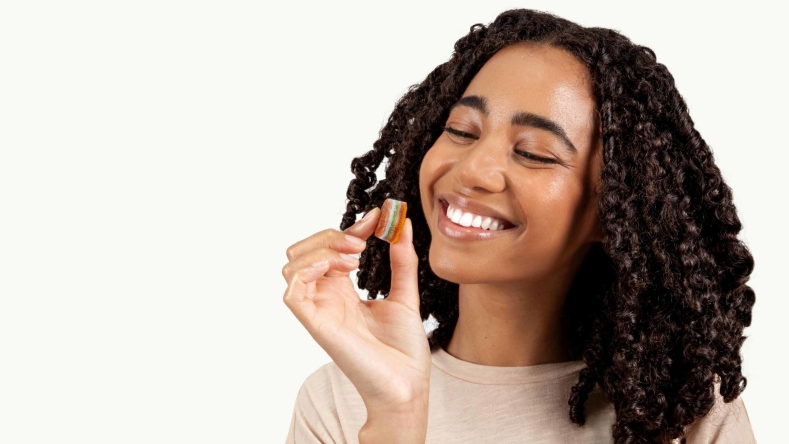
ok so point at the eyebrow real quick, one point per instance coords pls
(520, 118)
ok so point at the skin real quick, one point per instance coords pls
(512, 289)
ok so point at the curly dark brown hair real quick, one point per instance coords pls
(657, 310)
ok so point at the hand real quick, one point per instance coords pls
(380, 345)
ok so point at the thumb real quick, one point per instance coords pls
(405, 269)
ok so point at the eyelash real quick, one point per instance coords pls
(524, 154)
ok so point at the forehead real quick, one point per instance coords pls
(540, 79)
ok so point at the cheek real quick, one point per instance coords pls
(430, 170)
(427, 179)
(557, 189)
(553, 204)
(539, 191)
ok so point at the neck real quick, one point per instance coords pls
(511, 325)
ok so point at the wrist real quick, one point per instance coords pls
(401, 424)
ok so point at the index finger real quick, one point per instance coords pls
(330, 238)
(365, 226)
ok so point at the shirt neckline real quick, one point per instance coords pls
(488, 374)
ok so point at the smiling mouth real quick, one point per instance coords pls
(458, 220)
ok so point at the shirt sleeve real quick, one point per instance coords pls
(726, 423)
(315, 419)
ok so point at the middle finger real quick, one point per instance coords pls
(337, 261)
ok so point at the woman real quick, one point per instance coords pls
(571, 234)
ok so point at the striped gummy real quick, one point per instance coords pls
(392, 220)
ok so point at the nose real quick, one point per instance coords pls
(483, 165)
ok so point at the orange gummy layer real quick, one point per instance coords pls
(392, 220)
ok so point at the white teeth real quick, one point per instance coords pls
(457, 216)
(466, 219)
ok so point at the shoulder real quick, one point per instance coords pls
(318, 380)
(326, 385)
(726, 422)
(319, 392)
(328, 408)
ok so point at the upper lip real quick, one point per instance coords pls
(471, 206)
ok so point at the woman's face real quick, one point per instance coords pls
(532, 99)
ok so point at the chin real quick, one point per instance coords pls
(452, 270)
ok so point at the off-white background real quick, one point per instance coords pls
(158, 157)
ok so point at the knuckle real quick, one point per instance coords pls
(286, 295)
(340, 235)
(328, 233)
(296, 276)
(400, 267)
(324, 253)
(286, 270)
(287, 300)
(335, 237)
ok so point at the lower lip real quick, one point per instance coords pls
(459, 232)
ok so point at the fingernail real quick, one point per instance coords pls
(347, 257)
(319, 263)
(355, 240)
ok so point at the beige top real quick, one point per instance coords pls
(472, 403)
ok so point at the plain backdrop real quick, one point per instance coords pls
(158, 158)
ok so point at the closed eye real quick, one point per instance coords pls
(523, 154)
(459, 133)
